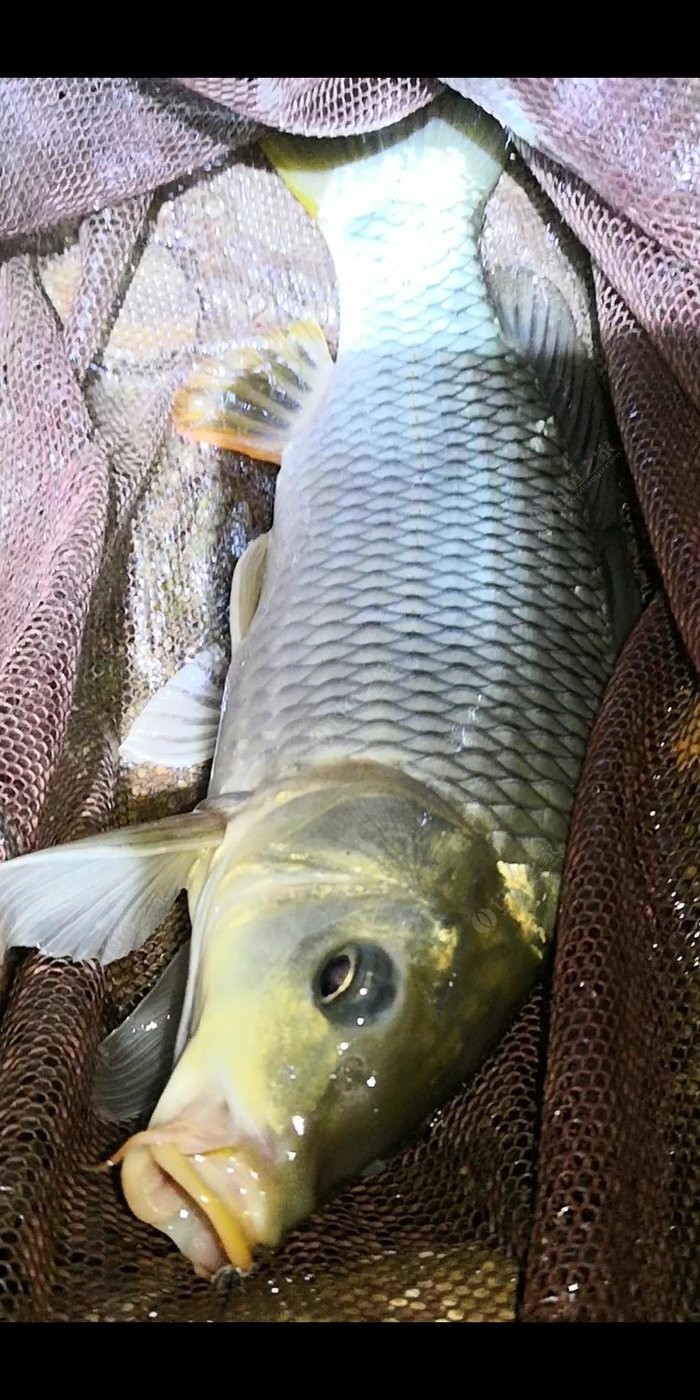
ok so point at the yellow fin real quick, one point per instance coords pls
(254, 398)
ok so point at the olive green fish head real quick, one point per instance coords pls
(360, 953)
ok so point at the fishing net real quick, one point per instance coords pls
(139, 223)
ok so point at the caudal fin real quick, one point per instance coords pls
(322, 173)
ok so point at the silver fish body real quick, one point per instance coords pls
(416, 611)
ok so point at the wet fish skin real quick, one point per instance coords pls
(415, 612)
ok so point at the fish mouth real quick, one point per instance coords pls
(213, 1204)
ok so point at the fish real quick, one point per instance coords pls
(418, 649)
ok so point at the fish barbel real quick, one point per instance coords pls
(418, 654)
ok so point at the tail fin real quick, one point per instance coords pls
(320, 171)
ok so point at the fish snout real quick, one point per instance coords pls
(215, 1205)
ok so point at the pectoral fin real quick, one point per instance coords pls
(135, 1060)
(254, 398)
(104, 896)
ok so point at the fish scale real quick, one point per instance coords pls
(407, 549)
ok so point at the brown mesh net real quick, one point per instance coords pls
(139, 224)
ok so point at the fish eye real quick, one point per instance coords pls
(356, 983)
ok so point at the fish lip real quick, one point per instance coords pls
(232, 1231)
(194, 1194)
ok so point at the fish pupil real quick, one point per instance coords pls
(336, 976)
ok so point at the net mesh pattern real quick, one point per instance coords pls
(138, 224)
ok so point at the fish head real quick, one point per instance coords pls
(345, 985)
